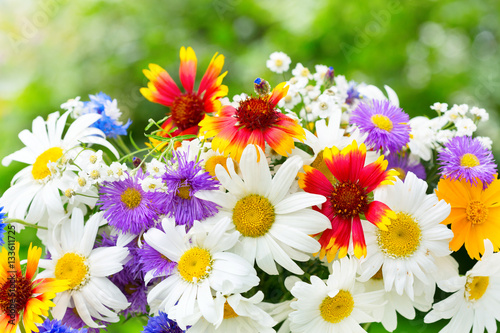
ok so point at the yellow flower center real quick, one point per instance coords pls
(195, 264)
(253, 215)
(72, 267)
(469, 160)
(213, 161)
(131, 198)
(402, 237)
(305, 72)
(402, 173)
(382, 122)
(229, 312)
(40, 169)
(184, 192)
(335, 309)
(476, 212)
(278, 62)
(475, 288)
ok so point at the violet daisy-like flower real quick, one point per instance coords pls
(162, 324)
(466, 158)
(404, 164)
(183, 180)
(386, 124)
(154, 263)
(127, 206)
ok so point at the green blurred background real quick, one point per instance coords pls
(427, 51)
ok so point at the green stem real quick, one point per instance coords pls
(366, 326)
(122, 144)
(26, 224)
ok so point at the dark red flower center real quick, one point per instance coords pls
(348, 199)
(15, 293)
(187, 111)
(256, 113)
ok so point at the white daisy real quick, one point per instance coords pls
(39, 183)
(335, 306)
(475, 302)
(271, 223)
(202, 266)
(236, 313)
(73, 258)
(278, 62)
(412, 243)
(373, 92)
(402, 304)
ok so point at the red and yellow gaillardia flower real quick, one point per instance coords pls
(187, 108)
(22, 297)
(256, 121)
(347, 196)
(475, 213)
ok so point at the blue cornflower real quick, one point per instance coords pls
(110, 114)
(352, 93)
(183, 180)
(2, 226)
(55, 326)
(161, 324)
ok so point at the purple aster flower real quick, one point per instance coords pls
(55, 326)
(386, 124)
(183, 180)
(107, 108)
(403, 165)
(127, 206)
(161, 324)
(466, 158)
(73, 320)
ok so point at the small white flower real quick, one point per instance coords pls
(325, 106)
(75, 106)
(443, 136)
(155, 168)
(480, 113)
(118, 170)
(291, 99)
(112, 111)
(278, 62)
(319, 76)
(151, 184)
(485, 141)
(465, 126)
(439, 107)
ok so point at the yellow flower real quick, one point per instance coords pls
(475, 214)
(22, 297)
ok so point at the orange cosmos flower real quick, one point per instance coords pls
(22, 297)
(348, 197)
(475, 213)
(256, 121)
(188, 108)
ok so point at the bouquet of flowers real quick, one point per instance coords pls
(316, 205)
